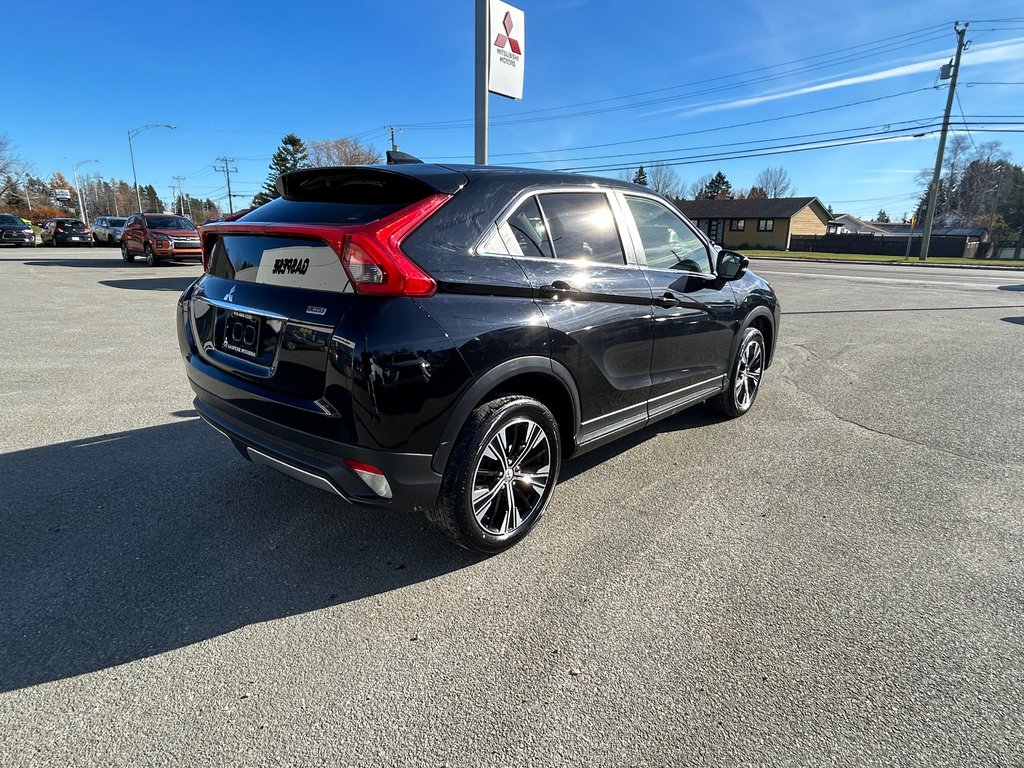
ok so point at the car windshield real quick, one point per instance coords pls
(115, 222)
(71, 224)
(6, 218)
(169, 222)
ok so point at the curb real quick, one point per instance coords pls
(981, 267)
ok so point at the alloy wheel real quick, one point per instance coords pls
(511, 477)
(748, 373)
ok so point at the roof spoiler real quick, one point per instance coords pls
(401, 158)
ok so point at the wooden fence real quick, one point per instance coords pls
(883, 245)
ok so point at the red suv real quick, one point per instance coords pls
(160, 237)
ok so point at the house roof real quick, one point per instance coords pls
(756, 208)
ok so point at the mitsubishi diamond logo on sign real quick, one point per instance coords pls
(508, 50)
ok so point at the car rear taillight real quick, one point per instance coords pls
(88, 230)
(372, 255)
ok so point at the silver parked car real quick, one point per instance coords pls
(106, 230)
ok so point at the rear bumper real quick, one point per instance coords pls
(312, 459)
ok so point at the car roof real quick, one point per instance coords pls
(450, 178)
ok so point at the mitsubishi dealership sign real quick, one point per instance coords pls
(508, 50)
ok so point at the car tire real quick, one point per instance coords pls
(489, 498)
(151, 258)
(126, 256)
(745, 375)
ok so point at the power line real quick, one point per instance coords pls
(521, 117)
(784, 149)
(649, 154)
(744, 124)
(960, 107)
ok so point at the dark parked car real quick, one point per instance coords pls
(66, 232)
(106, 230)
(160, 237)
(463, 331)
(14, 231)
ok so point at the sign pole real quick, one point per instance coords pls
(482, 53)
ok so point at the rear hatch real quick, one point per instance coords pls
(280, 279)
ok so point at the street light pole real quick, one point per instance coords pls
(78, 189)
(24, 186)
(131, 135)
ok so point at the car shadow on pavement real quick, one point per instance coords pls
(691, 418)
(114, 261)
(1014, 320)
(1011, 287)
(177, 284)
(124, 546)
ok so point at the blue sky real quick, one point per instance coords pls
(604, 73)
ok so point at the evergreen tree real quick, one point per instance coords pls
(757, 193)
(151, 202)
(290, 156)
(882, 217)
(640, 177)
(718, 188)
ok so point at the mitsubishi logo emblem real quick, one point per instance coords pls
(230, 295)
(506, 38)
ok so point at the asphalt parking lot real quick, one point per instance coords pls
(834, 579)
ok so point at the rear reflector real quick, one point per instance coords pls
(373, 477)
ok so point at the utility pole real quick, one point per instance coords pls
(992, 217)
(227, 170)
(181, 193)
(933, 189)
(394, 147)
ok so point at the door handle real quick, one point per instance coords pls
(667, 300)
(559, 289)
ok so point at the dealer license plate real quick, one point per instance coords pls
(242, 334)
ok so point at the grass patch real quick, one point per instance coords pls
(882, 259)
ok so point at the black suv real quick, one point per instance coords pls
(442, 337)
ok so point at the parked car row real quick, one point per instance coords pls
(58, 232)
(16, 231)
(106, 230)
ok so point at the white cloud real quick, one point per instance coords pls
(1006, 50)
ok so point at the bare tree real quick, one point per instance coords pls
(692, 191)
(664, 180)
(775, 182)
(341, 151)
(10, 166)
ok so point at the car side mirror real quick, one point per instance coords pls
(731, 265)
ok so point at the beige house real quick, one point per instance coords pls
(757, 222)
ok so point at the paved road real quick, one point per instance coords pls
(835, 579)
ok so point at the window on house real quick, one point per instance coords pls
(765, 225)
(737, 225)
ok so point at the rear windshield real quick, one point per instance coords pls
(73, 226)
(115, 222)
(169, 222)
(341, 196)
(295, 262)
(296, 212)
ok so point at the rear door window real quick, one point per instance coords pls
(582, 227)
